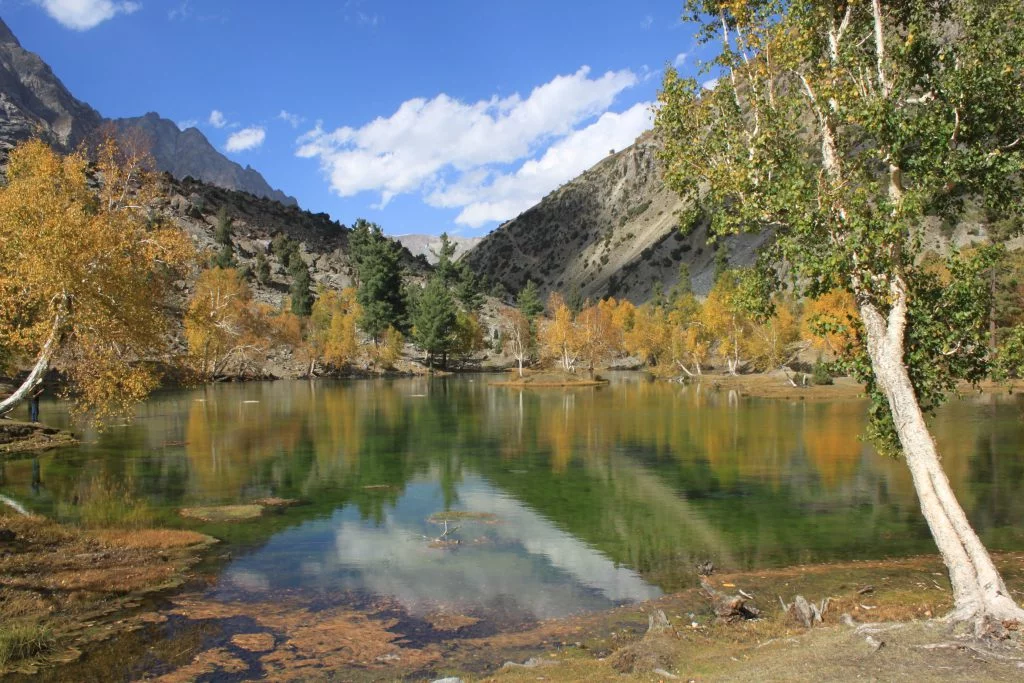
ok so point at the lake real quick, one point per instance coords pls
(564, 501)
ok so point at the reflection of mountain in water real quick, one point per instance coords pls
(520, 568)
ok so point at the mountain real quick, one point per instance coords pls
(34, 102)
(613, 231)
(184, 153)
(427, 245)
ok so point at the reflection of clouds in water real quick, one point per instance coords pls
(540, 537)
(534, 570)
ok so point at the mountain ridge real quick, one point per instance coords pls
(35, 103)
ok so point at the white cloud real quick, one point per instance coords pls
(185, 125)
(293, 119)
(246, 139)
(680, 60)
(423, 140)
(485, 197)
(217, 119)
(82, 15)
(709, 84)
(647, 22)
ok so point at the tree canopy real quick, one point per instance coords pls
(843, 127)
(86, 272)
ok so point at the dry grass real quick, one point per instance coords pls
(60, 586)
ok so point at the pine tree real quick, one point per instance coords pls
(446, 268)
(468, 289)
(262, 269)
(379, 274)
(299, 291)
(434, 320)
(224, 258)
(575, 300)
(528, 300)
(222, 233)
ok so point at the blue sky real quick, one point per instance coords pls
(422, 116)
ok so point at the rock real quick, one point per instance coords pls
(450, 679)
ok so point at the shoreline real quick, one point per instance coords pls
(295, 639)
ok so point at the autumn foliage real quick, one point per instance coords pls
(86, 273)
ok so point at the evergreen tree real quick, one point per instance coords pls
(360, 241)
(528, 300)
(224, 258)
(262, 269)
(468, 289)
(379, 274)
(575, 300)
(301, 296)
(683, 287)
(222, 233)
(658, 294)
(446, 268)
(721, 260)
(434, 320)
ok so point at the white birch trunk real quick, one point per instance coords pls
(38, 370)
(978, 590)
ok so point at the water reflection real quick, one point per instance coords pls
(602, 495)
(518, 563)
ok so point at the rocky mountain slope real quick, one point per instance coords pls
(613, 231)
(34, 102)
(193, 206)
(427, 245)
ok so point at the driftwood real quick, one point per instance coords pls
(806, 613)
(730, 608)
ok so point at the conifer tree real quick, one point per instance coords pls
(434, 320)
(529, 301)
(379, 273)
(223, 232)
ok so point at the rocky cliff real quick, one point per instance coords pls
(34, 102)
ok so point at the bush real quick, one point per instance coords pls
(821, 373)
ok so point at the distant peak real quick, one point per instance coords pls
(6, 35)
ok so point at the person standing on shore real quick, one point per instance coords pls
(33, 404)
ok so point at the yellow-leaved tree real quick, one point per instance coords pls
(649, 337)
(828, 322)
(691, 338)
(221, 324)
(332, 333)
(558, 337)
(86, 272)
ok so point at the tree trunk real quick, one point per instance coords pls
(978, 590)
(40, 368)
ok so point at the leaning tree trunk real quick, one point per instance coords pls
(978, 590)
(38, 370)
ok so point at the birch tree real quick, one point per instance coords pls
(844, 125)
(86, 273)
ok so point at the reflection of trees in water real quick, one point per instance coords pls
(652, 474)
